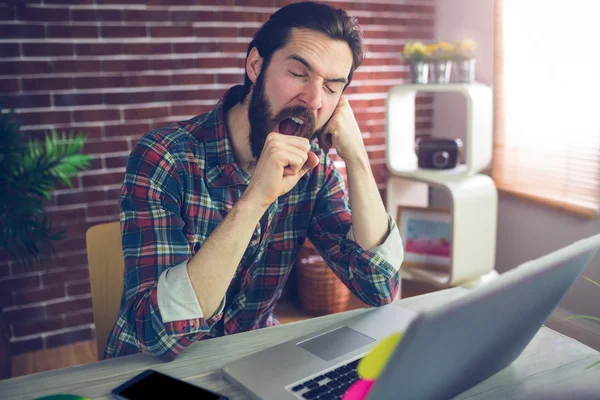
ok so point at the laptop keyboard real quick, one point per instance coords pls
(330, 385)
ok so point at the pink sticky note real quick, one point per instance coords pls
(359, 390)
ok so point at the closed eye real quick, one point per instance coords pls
(297, 75)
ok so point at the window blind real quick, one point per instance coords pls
(547, 102)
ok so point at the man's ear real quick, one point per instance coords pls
(254, 64)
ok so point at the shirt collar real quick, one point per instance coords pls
(221, 167)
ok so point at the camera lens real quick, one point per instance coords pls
(440, 159)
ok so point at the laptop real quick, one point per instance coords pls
(444, 351)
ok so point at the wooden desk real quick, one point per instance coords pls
(550, 361)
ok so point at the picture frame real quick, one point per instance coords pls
(427, 237)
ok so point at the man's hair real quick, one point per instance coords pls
(335, 23)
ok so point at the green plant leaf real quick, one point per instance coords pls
(30, 169)
(592, 365)
(593, 281)
(584, 317)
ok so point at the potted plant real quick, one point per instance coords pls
(30, 169)
(597, 319)
(416, 54)
(465, 52)
(441, 65)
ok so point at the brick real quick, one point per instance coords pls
(112, 178)
(147, 80)
(70, 244)
(69, 306)
(83, 318)
(28, 328)
(86, 196)
(234, 47)
(48, 49)
(113, 194)
(76, 66)
(99, 49)
(193, 79)
(46, 84)
(228, 62)
(37, 295)
(136, 129)
(70, 260)
(132, 97)
(116, 162)
(424, 125)
(7, 13)
(194, 16)
(64, 215)
(10, 50)
(77, 2)
(21, 31)
(178, 63)
(78, 99)
(95, 82)
(104, 210)
(232, 79)
(42, 14)
(147, 48)
(144, 15)
(181, 95)
(125, 65)
(72, 31)
(26, 346)
(55, 277)
(25, 100)
(190, 110)
(20, 283)
(237, 16)
(68, 337)
(24, 67)
(106, 146)
(24, 314)
(146, 113)
(108, 114)
(96, 15)
(171, 31)
(76, 289)
(6, 299)
(123, 31)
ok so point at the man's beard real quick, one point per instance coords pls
(262, 121)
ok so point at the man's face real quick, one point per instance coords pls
(298, 91)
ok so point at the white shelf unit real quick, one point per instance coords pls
(473, 196)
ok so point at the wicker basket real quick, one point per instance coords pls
(320, 292)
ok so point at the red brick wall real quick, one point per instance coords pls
(115, 69)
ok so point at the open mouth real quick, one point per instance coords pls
(293, 126)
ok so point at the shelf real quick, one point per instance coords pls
(473, 196)
(400, 130)
(411, 171)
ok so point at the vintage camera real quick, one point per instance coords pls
(435, 153)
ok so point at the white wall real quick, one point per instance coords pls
(526, 230)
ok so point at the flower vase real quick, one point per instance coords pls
(465, 70)
(440, 71)
(419, 71)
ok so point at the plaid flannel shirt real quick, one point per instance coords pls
(180, 183)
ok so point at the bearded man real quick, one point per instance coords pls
(215, 209)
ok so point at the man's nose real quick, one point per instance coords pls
(312, 96)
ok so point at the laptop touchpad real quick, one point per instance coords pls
(335, 343)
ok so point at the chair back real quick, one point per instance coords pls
(106, 264)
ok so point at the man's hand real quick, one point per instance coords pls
(282, 162)
(343, 133)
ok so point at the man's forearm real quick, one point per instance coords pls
(369, 218)
(213, 266)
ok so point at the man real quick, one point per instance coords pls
(215, 209)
